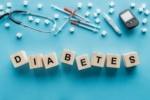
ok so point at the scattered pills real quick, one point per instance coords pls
(7, 10)
(79, 5)
(30, 18)
(132, 5)
(40, 6)
(9, 5)
(90, 5)
(97, 20)
(37, 21)
(46, 21)
(112, 4)
(143, 6)
(87, 14)
(25, 2)
(147, 12)
(19, 35)
(56, 16)
(1, 13)
(111, 10)
(1, 7)
(104, 33)
(95, 14)
(7, 25)
(140, 9)
(98, 11)
(72, 30)
(144, 21)
(144, 30)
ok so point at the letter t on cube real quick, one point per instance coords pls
(19, 59)
(68, 57)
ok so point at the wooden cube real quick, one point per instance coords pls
(19, 59)
(98, 59)
(68, 57)
(36, 61)
(113, 61)
(131, 59)
(83, 62)
(50, 60)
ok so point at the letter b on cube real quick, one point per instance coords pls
(68, 57)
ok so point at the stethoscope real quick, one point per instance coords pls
(29, 13)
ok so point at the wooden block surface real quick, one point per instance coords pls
(98, 59)
(50, 60)
(19, 59)
(68, 57)
(83, 62)
(113, 61)
(131, 59)
(36, 61)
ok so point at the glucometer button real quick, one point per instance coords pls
(127, 23)
(131, 22)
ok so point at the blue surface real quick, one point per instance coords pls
(66, 82)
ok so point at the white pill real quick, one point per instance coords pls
(7, 25)
(9, 5)
(95, 14)
(97, 20)
(1, 13)
(90, 5)
(1, 7)
(140, 9)
(19, 35)
(104, 33)
(111, 10)
(87, 14)
(112, 4)
(37, 21)
(7, 10)
(144, 30)
(132, 5)
(143, 6)
(79, 5)
(56, 16)
(40, 6)
(46, 21)
(144, 21)
(30, 18)
(72, 30)
(25, 2)
(147, 12)
(98, 11)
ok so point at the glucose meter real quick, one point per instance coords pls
(129, 19)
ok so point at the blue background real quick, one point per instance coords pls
(66, 82)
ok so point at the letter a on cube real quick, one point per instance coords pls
(98, 59)
(83, 62)
(131, 59)
(68, 57)
(113, 61)
(36, 61)
(50, 60)
(19, 59)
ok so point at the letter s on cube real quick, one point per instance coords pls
(19, 59)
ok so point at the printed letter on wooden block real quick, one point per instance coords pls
(50, 60)
(83, 62)
(68, 57)
(113, 61)
(131, 59)
(98, 59)
(19, 59)
(36, 61)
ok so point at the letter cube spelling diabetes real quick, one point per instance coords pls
(19, 59)
(113, 61)
(50, 60)
(98, 60)
(68, 57)
(131, 59)
(83, 62)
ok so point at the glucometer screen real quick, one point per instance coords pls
(126, 16)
